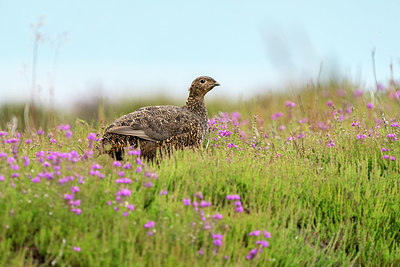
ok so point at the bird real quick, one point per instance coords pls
(155, 129)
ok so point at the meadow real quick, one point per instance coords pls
(295, 178)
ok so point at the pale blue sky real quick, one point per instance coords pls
(118, 48)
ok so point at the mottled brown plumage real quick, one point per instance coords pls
(162, 127)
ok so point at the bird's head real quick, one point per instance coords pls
(202, 85)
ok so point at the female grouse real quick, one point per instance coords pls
(162, 127)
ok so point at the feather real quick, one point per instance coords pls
(127, 130)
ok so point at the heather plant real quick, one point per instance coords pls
(311, 179)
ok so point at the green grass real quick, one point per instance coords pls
(324, 205)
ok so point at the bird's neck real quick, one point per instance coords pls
(197, 106)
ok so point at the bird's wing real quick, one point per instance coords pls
(127, 130)
(155, 123)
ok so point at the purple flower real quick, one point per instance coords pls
(305, 120)
(77, 249)
(28, 141)
(380, 87)
(123, 181)
(329, 103)
(206, 226)
(361, 136)
(263, 243)
(199, 195)
(26, 160)
(134, 152)
(238, 203)
(148, 184)
(36, 180)
(92, 172)
(149, 224)
(341, 92)
(217, 216)
(233, 197)
(201, 252)
(75, 203)
(251, 254)
(1, 177)
(235, 116)
(290, 104)
(63, 180)
(186, 202)
(124, 192)
(239, 209)
(255, 233)
(282, 128)
(74, 189)
(139, 169)
(12, 141)
(217, 236)
(138, 161)
(131, 207)
(370, 105)
(267, 234)
(217, 242)
(68, 196)
(204, 204)
(117, 164)
(91, 137)
(14, 167)
(95, 167)
(276, 115)
(63, 127)
(125, 213)
(224, 133)
(358, 93)
(232, 145)
(68, 134)
(331, 144)
(53, 141)
(392, 137)
(164, 192)
(127, 166)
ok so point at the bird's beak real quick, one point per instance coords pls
(216, 84)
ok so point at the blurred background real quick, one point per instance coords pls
(66, 54)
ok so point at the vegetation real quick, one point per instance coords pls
(305, 178)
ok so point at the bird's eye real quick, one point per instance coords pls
(202, 81)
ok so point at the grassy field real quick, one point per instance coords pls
(305, 178)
